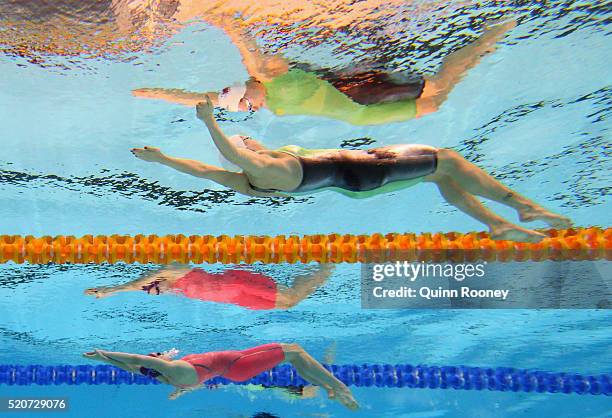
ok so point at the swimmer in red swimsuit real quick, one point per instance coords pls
(246, 288)
(191, 371)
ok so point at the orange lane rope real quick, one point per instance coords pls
(571, 244)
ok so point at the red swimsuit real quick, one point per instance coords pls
(239, 287)
(236, 365)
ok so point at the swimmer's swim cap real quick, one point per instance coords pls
(238, 141)
(230, 97)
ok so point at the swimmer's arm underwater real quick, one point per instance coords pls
(238, 182)
(97, 355)
(168, 274)
(247, 159)
(177, 96)
(130, 362)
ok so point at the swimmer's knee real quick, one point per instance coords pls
(286, 301)
(425, 106)
(436, 88)
(293, 347)
(292, 351)
(437, 178)
(447, 160)
(448, 153)
(293, 302)
(430, 89)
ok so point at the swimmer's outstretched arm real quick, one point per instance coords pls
(262, 67)
(98, 356)
(238, 182)
(177, 96)
(169, 274)
(131, 362)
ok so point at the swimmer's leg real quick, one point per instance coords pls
(311, 370)
(499, 228)
(302, 287)
(477, 182)
(455, 66)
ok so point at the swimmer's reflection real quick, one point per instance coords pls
(192, 371)
(246, 288)
(355, 95)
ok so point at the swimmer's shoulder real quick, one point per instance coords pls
(293, 150)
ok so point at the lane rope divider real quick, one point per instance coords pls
(503, 379)
(571, 244)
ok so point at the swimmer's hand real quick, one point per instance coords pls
(204, 109)
(95, 355)
(178, 392)
(150, 154)
(151, 93)
(99, 292)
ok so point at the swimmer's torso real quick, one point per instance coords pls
(361, 173)
(298, 92)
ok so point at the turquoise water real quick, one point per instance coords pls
(331, 320)
(535, 114)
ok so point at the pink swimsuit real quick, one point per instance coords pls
(238, 287)
(236, 365)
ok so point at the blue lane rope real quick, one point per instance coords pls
(503, 379)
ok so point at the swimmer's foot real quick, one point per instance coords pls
(344, 396)
(532, 214)
(150, 154)
(512, 232)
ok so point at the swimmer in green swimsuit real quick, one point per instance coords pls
(359, 173)
(353, 96)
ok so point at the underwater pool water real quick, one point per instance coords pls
(535, 114)
(329, 324)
